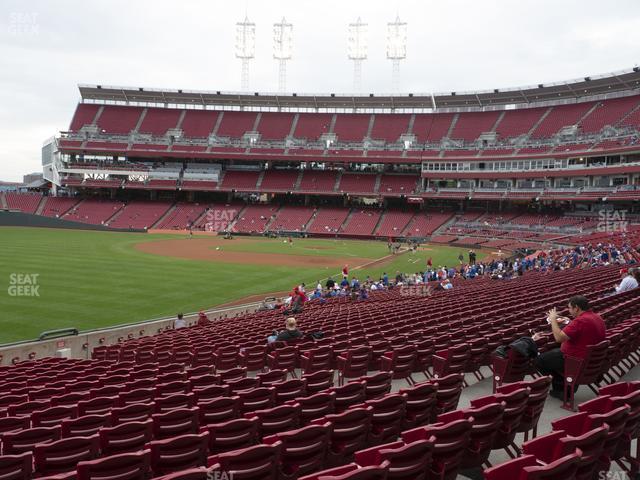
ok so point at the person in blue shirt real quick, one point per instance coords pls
(385, 279)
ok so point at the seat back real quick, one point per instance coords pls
(85, 426)
(256, 399)
(387, 417)
(316, 359)
(289, 390)
(350, 430)
(137, 412)
(226, 358)
(303, 450)
(52, 416)
(204, 394)
(267, 379)
(594, 364)
(277, 419)
(180, 421)
(315, 406)
(16, 467)
(125, 437)
(352, 393)
(561, 469)
(126, 466)
(231, 435)
(13, 424)
(377, 385)
(63, 455)
(255, 463)
(319, 381)
(178, 453)
(448, 392)
(15, 443)
(405, 460)
(421, 403)
(451, 440)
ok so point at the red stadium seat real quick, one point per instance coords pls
(126, 437)
(303, 450)
(258, 462)
(114, 467)
(63, 455)
(178, 453)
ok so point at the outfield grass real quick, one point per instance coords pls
(90, 279)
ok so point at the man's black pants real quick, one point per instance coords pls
(552, 363)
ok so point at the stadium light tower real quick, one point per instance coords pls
(245, 48)
(282, 50)
(357, 50)
(396, 48)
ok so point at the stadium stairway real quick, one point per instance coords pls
(338, 179)
(260, 178)
(232, 225)
(376, 186)
(273, 218)
(201, 217)
(454, 120)
(629, 114)
(165, 215)
(346, 220)
(3, 201)
(115, 215)
(442, 228)
(497, 122)
(382, 215)
(296, 185)
(43, 202)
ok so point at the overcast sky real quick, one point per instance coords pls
(48, 47)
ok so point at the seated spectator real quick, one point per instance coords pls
(297, 302)
(179, 322)
(203, 319)
(446, 285)
(291, 331)
(587, 328)
(629, 281)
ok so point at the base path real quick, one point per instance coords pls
(199, 248)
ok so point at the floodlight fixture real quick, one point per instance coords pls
(245, 48)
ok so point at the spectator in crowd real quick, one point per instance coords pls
(628, 282)
(179, 322)
(203, 319)
(290, 332)
(330, 284)
(446, 284)
(297, 302)
(586, 328)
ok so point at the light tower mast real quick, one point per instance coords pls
(357, 50)
(282, 50)
(245, 48)
(396, 48)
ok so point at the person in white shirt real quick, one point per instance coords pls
(629, 281)
(179, 322)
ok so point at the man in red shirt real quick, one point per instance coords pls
(586, 328)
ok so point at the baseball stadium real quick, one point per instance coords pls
(211, 284)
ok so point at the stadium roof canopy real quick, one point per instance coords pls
(612, 84)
